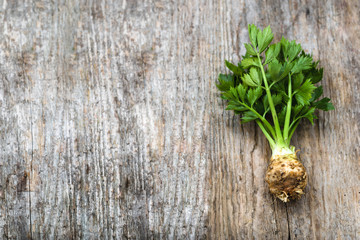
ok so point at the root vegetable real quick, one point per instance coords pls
(274, 85)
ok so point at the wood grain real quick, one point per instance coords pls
(111, 126)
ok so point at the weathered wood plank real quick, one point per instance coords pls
(111, 126)
(16, 136)
(332, 155)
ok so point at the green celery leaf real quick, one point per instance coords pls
(281, 115)
(279, 87)
(284, 95)
(259, 38)
(248, 62)
(235, 69)
(253, 32)
(234, 102)
(241, 92)
(301, 64)
(248, 116)
(264, 38)
(304, 110)
(225, 82)
(284, 47)
(286, 68)
(248, 81)
(272, 52)
(228, 95)
(274, 68)
(237, 112)
(249, 49)
(243, 88)
(324, 104)
(315, 74)
(237, 108)
(296, 110)
(317, 93)
(266, 103)
(277, 98)
(293, 50)
(223, 97)
(234, 92)
(259, 107)
(254, 94)
(310, 115)
(303, 94)
(251, 96)
(256, 75)
(298, 80)
(278, 71)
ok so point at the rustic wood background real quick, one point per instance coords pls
(111, 126)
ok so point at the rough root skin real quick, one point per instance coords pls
(286, 177)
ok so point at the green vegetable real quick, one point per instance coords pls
(274, 85)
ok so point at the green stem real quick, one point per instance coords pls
(272, 84)
(265, 113)
(295, 121)
(293, 126)
(292, 130)
(267, 135)
(267, 124)
(288, 112)
(279, 136)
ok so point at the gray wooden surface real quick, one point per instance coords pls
(111, 126)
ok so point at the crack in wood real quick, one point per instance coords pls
(288, 221)
(31, 161)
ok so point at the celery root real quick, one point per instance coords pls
(274, 85)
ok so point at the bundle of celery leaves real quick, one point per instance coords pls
(274, 85)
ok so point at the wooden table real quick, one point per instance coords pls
(111, 126)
